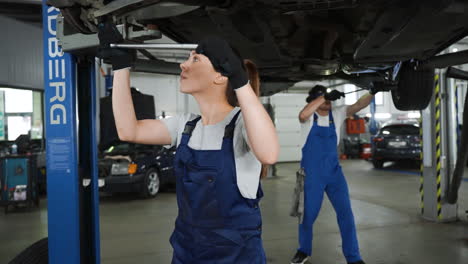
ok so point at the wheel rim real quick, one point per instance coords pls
(153, 183)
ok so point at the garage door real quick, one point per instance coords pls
(286, 108)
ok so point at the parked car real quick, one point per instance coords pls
(144, 169)
(396, 142)
(392, 44)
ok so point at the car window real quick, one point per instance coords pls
(400, 130)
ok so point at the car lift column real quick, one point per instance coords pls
(439, 126)
(70, 111)
(372, 122)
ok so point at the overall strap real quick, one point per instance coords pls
(315, 118)
(330, 117)
(229, 130)
(190, 126)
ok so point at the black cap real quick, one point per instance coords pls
(316, 91)
(219, 52)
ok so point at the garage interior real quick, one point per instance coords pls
(398, 216)
(384, 204)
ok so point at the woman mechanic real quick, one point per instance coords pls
(219, 154)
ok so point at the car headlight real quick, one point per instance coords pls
(132, 168)
(119, 168)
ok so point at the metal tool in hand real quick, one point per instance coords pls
(355, 91)
(358, 90)
(386, 89)
(156, 46)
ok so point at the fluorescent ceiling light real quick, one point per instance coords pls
(414, 115)
(383, 115)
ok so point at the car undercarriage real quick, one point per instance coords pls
(364, 42)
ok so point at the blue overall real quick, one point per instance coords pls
(323, 174)
(216, 224)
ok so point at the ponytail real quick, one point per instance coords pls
(254, 77)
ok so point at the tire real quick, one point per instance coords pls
(37, 253)
(378, 164)
(151, 183)
(415, 87)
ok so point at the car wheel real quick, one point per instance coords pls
(37, 253)
(415, 87)
(152, 183)
(378, 164)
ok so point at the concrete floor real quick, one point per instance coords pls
(385, 204)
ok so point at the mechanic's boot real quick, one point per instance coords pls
(357, 262)
(299, 258)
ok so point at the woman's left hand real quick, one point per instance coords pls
(238, 77)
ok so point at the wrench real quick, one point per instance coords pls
(156, 46)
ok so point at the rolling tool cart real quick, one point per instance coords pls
(18, 182)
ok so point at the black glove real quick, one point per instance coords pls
(238, 77)
(334, 95)
(119, 58)
(224, 60)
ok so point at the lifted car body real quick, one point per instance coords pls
(391, 43)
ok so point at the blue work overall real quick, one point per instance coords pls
(323, 174)
(215, 223)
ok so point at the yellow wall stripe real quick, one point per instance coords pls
(438, 147)
(421, 169)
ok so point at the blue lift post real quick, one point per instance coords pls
(70, 95)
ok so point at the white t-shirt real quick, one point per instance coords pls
(210, 137)
(339, 116)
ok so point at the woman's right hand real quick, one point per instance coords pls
(119, 58)
(129, 129)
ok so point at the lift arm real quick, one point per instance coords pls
(462, 157)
